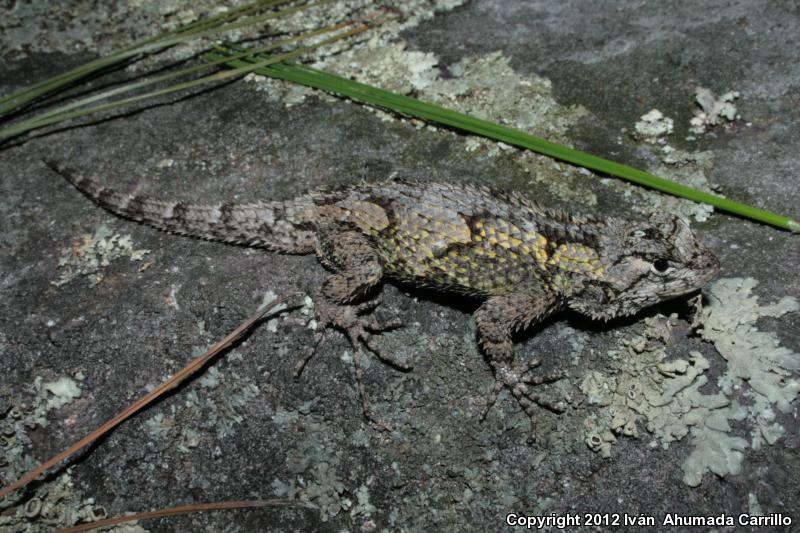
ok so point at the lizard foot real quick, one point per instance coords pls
(359, 329)
(519, 379)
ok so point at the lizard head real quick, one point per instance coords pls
(644, 263)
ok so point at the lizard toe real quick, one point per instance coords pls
(519, 380)
(360, 329)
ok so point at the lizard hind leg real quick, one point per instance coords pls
(340, 301)
(497, 319)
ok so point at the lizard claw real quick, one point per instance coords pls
(518, 378)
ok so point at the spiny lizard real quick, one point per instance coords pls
(523, 260)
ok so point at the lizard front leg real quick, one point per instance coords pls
(497, 319)
(339, 303)
(357, 271)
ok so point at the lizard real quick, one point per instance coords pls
(522, 260)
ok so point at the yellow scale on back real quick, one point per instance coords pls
(487, 255)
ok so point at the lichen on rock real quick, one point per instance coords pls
(643, 386)
(90, 253)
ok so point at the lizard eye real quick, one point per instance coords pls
(661, 266)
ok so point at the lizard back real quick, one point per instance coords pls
(467, 239)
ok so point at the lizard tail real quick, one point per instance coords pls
(281, 226)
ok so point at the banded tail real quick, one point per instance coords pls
(281, 226)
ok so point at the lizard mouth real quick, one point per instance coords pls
(705, 269)
(708, 267)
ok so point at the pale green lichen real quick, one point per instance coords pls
(682, 166)
(52, 395)
(61, 391)
(363, 508)
(758, 367)
(189, 438)
(663, 395)
(714, 449)
(16, 422)
(379, 57)
(653, 126)
(317, 464)
(753, 356)
(90, 253)
(713, 111)
(392, 67)
(489, 88)
(210, 378)
(218, 405)
(687, 168)
(643, 387)
(159, 427)
(754, 506)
